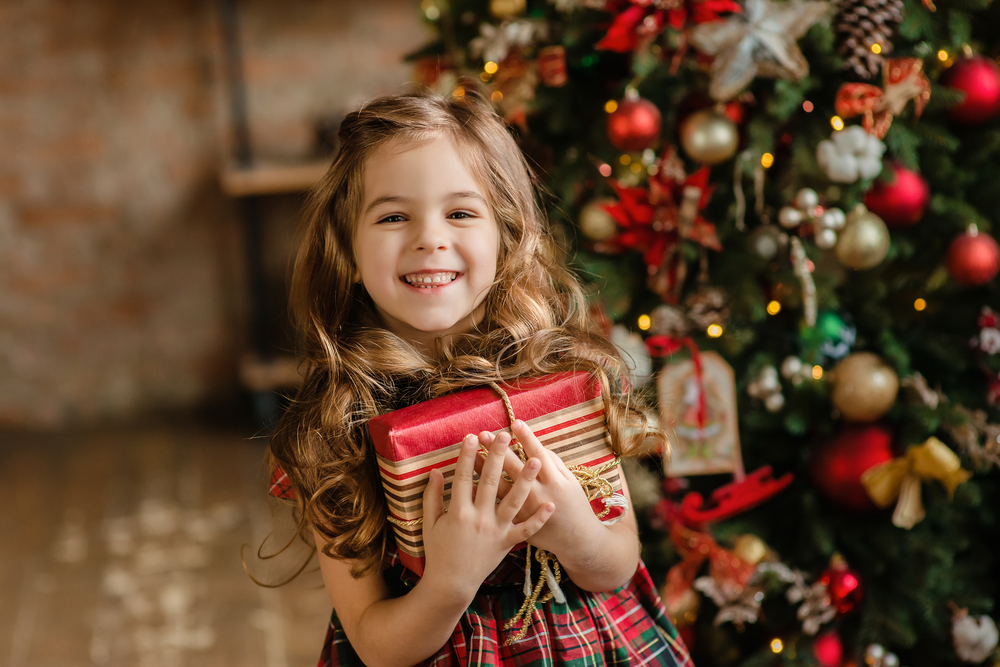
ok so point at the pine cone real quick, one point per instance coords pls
(862, 24)
(706, 306)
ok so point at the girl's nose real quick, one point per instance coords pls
(430, 234)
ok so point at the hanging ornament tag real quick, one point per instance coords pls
(698, 404)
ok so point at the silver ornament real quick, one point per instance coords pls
(826, 238)
(806, 199)
(789, 217)
(774, 402)
(791, 367)
(833, 218)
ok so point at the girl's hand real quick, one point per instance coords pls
(463, 545)
(573, 523)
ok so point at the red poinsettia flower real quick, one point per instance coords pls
(642, 20)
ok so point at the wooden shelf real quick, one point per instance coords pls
(276, 373)
(272, 178)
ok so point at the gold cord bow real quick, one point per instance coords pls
(901, 478)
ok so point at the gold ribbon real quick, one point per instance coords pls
(901, 478)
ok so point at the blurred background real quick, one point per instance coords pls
(142, 270)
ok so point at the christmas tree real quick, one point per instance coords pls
(784, 212)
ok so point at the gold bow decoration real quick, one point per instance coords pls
(904, 80)
(901, 478)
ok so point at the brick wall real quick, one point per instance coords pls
(121, 274)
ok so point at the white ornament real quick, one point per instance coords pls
(806, 199)
(833, 218)
(850, 154)
(789, 217)
(826, 238)
(495, 42)
(774, 402)
(791, 367)
(974, 637)
(989, 340)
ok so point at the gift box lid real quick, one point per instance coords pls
(426, 427)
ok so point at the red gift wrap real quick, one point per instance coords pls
(565, 411)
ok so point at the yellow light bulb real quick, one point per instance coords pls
(458, 92)
(817, 372)
(837, 122)
(611, 106)
(942, 55)
(766, 160)
(919, 304)
(645, 321)
(773, 308)
(490, 67)
(496, 96)
(714, 330)
(625, 158)
(876, 48)
(776, 645)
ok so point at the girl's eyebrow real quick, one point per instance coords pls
(394, 199)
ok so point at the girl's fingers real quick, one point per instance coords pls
(532, 446)
(515, 499)
(433, 498)
(524, 531)
(489, 476)
(461, 485)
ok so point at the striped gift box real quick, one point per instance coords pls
(565, 411)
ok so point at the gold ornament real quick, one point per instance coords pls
(596, 223)
(750, 548)
(507, 9)
(864, 387)
(683, 608)
(864, 242)
(709, 136)
(900, 479)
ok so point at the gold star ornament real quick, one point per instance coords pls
(759, 42)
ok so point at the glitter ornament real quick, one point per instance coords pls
(635, 124)
(843, 585)
(595, 222)
(709, 136)
(973, 258)
(864, 242)
(837, 464)
(900, 203)
(863, 387)
(979, 79)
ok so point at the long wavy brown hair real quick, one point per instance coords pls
(536, 322)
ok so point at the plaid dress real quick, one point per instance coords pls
(628, 626)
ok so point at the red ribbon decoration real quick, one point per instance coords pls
(904, 80)
(662, 346)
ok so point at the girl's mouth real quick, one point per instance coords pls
(428, 280)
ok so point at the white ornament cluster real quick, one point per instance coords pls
(796, 372)
(805, 210)
(975, 637)
(850, 154)
(877, 656)
(815, 608)
(767, 388)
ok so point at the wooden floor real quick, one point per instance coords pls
(123, 549)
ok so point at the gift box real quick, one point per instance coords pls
(565, 411)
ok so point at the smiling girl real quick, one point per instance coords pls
(427, 267)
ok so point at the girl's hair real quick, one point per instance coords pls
(536, 322)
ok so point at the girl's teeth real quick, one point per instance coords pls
(430, 279)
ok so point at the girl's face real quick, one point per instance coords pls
(426, 244)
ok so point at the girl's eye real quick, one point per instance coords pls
(461, 215)
(395, 217)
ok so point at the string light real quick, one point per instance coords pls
(807, 106)
(766, 160)
(943, 55)
(611, 106)
(714, 330)
(776, 645)
(773, 308)
(837, 122)
(919, 305)
(605, 170)
(876, 48)
(458, 92)
(625, 158)
(430, 10)
(484, 77)
(645, 321)
(496, 96)
(636, 167)
(817, 372)
(490, 67)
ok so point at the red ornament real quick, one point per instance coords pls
(979, 79)
(900, 203)
(973, 258)
(635, 125)
(843, 586)
(837, 464)
(828, 649)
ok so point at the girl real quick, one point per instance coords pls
(427, 267)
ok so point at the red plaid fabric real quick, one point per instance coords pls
(628, 626)
(281, 487)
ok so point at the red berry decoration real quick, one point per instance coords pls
(979, 79)
(828, 649)
(973, 258)
(837, 464)
(634, 125)
(900, 203)
(843, 586)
